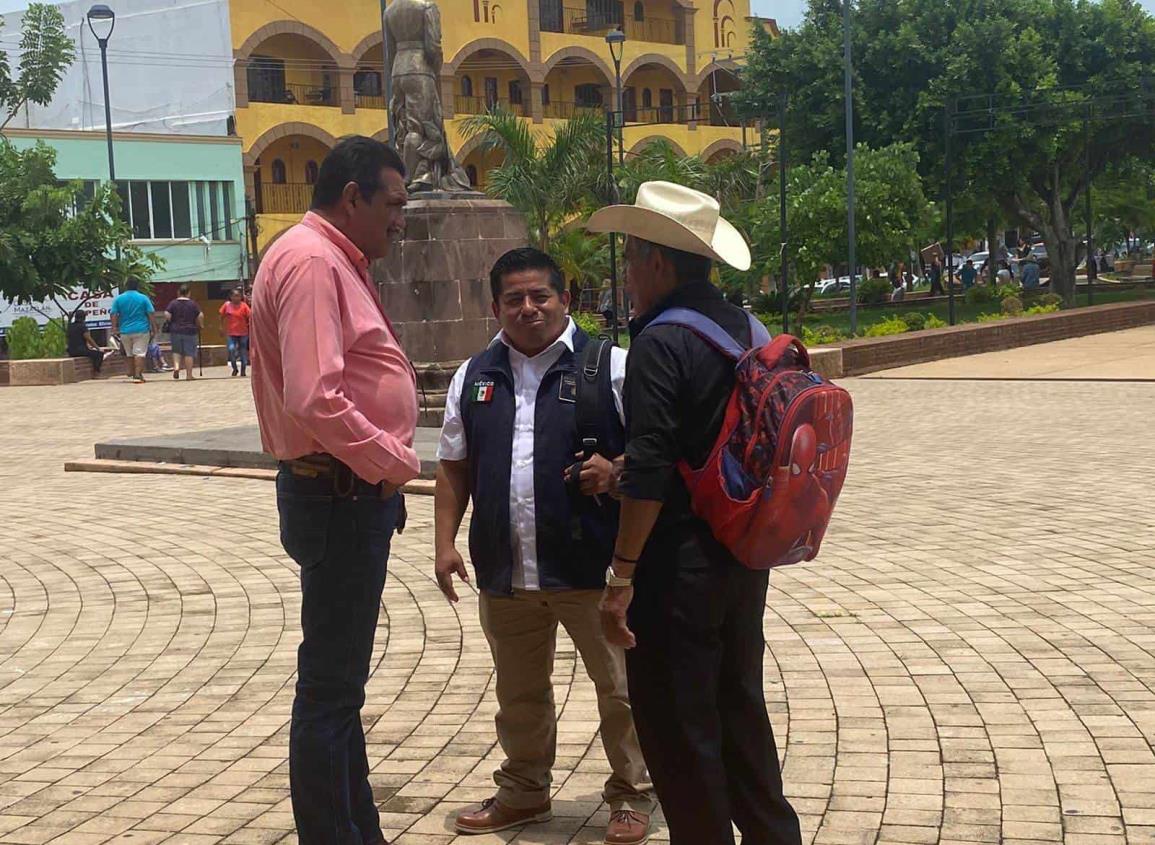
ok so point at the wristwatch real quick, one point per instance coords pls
(613, 580)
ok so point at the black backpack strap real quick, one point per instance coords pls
(593, 384)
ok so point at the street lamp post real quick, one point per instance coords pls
(103, 17)
(616, 39)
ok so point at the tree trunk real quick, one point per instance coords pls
(1063, 253)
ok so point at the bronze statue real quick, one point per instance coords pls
(413, 40)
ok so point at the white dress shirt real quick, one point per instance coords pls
(527, 376)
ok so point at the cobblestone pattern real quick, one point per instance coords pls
(970, 660)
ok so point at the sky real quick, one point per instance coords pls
(789, 12)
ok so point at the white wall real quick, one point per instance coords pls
(169, 68)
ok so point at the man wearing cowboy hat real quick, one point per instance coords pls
(694, 625)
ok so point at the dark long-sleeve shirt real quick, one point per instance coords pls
(676, 392)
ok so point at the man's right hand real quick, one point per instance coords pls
(445, 565)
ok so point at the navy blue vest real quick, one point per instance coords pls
(575, 535)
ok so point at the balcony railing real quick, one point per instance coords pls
(566, 111)
(285, 198)
(369, 101)
(298, 93)
(581, 21)
(480, 105)
(690, 113)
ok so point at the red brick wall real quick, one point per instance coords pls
(865, 355)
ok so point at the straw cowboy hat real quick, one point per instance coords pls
(678, 217)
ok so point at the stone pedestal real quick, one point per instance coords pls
(435, 283)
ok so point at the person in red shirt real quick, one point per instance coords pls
(235, 316)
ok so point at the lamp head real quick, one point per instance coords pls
(103, 17)
(617, 41)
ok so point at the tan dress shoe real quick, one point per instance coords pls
(494, 816)
(628, 827)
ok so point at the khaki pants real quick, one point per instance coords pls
(522, 633)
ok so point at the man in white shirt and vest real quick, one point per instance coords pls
(541, 535)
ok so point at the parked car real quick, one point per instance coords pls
(830, 287)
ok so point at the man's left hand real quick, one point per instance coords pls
(596, 475)
(613, 606)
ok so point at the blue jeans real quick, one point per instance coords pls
(341, 544)
(238, 350)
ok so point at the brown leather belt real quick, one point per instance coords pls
(345, 481)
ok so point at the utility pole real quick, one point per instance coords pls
(848, 74)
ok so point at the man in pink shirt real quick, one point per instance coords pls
(337, 405)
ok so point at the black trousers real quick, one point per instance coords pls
(93, 355)
(696, 688)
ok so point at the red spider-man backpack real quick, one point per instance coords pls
(770, 484)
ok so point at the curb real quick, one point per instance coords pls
(417, 487)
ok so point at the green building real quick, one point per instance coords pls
(185, 198)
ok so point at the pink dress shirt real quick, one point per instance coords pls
(328, 372)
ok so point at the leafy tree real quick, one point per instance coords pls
(1044, 63)
(46, 52)
(892, 213)
(53, 239)
(1124, 203)
(547, 177)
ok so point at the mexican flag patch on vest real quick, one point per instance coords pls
(483, 391)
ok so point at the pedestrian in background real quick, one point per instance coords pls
(935, 273)
(968, 274)
(336, 400)
(185, 321)
(235, 316)
(81, 344)
(131, 321)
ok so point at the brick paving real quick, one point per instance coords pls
(970, 660)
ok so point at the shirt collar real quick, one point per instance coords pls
(565, 339)
(319, 224)
(682, 296)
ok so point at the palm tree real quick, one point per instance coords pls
(547, 177)
(584, 259)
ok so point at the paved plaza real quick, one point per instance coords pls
(971, 659)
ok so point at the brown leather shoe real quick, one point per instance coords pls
(494, 816)
(628, 827)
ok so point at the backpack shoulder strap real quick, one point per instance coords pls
(711, 332)
(593, 376)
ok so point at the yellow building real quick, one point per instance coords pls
(308, 73)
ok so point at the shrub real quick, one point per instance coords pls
(889, 326)
(588, 323)
(980, 295)
(934, 322)
(915, 320)
(1042, 309)
(1051, 299)
(821, 334)
(991, 318)
(24, 340)
(1003, 291)
(874, 291)
(1012, 306)
(53, 340)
